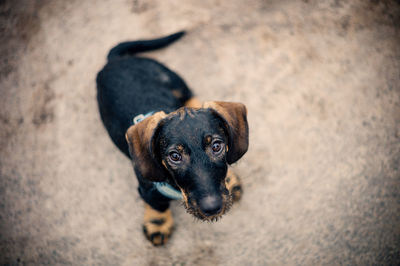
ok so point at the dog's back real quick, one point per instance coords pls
(128, 86)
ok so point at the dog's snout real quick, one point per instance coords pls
(210, 205)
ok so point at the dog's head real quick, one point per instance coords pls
(192, 148)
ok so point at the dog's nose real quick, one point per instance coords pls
(210, 205)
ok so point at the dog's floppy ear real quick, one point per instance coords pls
(235, 117)
(141, 147)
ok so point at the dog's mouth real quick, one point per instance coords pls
(209, 214)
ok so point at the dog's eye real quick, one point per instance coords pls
(217, 146)
(175, 157)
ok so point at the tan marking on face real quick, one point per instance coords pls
(179, 147)
(193, 103)
(208, 140)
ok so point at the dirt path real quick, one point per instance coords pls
(321, 80)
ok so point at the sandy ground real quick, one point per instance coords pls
(321, 81)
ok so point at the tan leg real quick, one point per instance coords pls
(234, 185)
(193, 103)
(157, 225)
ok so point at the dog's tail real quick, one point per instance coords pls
(131, 48)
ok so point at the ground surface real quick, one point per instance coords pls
(321, 81)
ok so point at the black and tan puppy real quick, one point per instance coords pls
(179, 147)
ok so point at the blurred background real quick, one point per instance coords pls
(320, 79)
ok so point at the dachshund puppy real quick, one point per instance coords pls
(180, 148)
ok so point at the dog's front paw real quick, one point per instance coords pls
(234, 185)
(157, 226)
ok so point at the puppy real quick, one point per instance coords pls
(180, 148)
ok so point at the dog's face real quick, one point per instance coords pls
(192, 148)
(191, 145)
